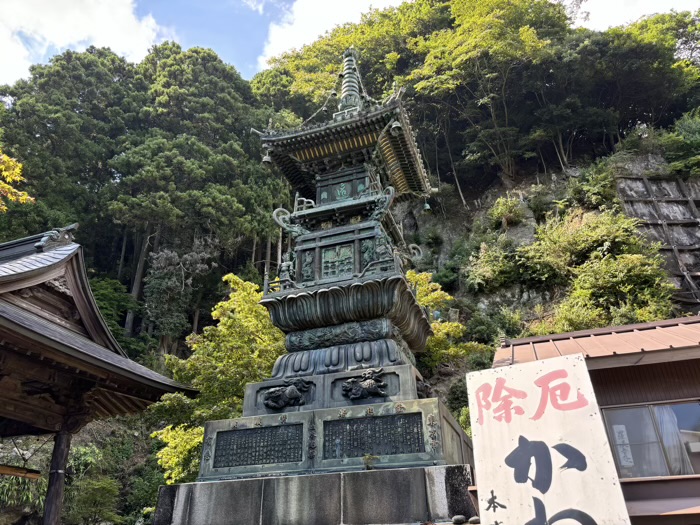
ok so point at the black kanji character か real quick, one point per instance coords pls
(519, 460)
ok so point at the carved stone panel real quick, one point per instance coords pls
(369, 384)
(307, 266)
(293, 393)
(259, 446)
(337, 261)
(339, 334)
(378, 436)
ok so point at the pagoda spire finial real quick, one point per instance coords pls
(350, 94)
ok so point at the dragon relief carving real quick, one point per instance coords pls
(289, 395)
(383, 204)
(369, 384)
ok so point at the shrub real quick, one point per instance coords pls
(506, 211)
(539, 202)
(457, 396)
(564, 243)
(481, 358)
(93, 500)
(447, 346)
(595, 188)
(448, 276)
(494, 266)
(482, 328)
(609, 290)
(681, 146)
(465, 421)
(433, 240)
(428, 293)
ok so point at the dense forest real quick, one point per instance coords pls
(523, 120)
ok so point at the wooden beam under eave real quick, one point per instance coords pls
(37, 412)
(19, 472)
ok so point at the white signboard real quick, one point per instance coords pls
(542, 455)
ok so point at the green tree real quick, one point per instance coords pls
(93, 501)
(10, 175)
(63, 124)
(476, 67)
(240, 349)
(173, 283)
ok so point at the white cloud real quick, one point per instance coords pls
(30, 28)
(306, 20)
(607, 13)
(255, 5)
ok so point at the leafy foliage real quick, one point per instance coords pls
(182, 452)
(93, 501)
(11, 173)
(172, 284)
(23, 493)
(241, 348)
(114, 301)
(564, 243)
(505, 212)
(610, 290)
(457, 397)
(681, 145)
(595, 188)
(492, 267)
(428, 293)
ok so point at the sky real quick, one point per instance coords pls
(245, 33)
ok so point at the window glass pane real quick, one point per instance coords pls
(679, 426)
(635, 442)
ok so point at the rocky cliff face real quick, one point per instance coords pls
(476, 251)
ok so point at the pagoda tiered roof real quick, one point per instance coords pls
(351, 138)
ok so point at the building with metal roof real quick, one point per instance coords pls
(646, 379)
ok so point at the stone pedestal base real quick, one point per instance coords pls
(386, 435)
(394, 496)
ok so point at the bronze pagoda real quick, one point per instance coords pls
(345, 412)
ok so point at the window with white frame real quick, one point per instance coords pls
(655, 440)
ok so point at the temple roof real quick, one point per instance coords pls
(56, 351)
(44, 257)
(358, 133)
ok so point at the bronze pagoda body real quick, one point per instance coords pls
(346, 396)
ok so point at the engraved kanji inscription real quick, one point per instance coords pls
(378, 436)
(259, 446)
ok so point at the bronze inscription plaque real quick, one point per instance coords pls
(259, 446)
(378, 436)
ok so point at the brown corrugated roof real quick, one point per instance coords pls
(627, 345)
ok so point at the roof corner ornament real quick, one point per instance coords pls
(56, 237)
(283, 219)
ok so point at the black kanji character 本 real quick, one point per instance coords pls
(563, 515)
(493, 504)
